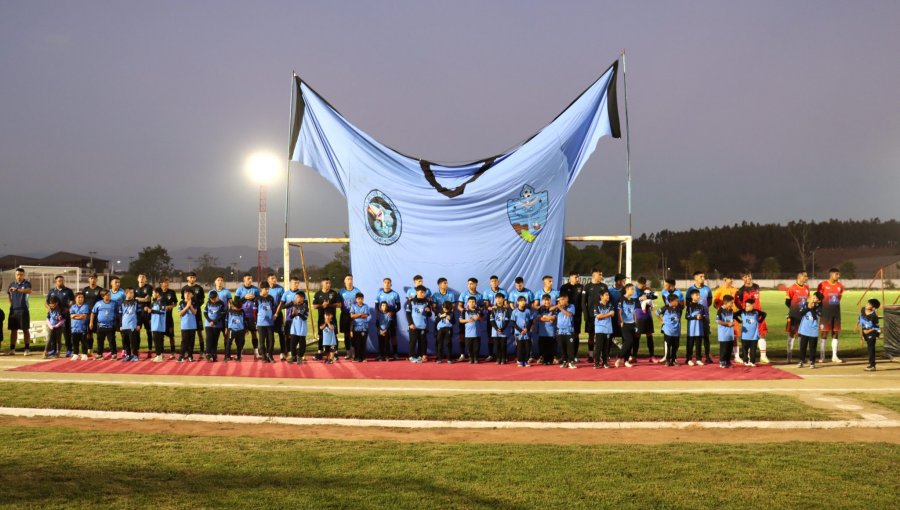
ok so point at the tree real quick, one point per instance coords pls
(749, 261)
(770, 267)
(848, 269)
(208, 268)
(153, 261)
(696, 261)
(799, 231)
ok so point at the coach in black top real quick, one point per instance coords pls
(325, 299)
(197, 301)
(592, 292)
(91, 296)
(66, 297)
(143, 294)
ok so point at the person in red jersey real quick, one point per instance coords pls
(747, 292)
(797, 295)
(830, 319)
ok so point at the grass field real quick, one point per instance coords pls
(889, 401)
(565, 407)
(67, 468)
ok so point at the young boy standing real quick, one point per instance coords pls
(214, 315)
(265, 323)
(359, 314)
(103, 319)
(705, 301)
(79, 314)
(725, 321)
(188, 326)
(328, 336)
(522, 318)
(470, 318)
(670, 315)
(751, 292)
(627, 307)
(546, 330)
(490, 298)
(129, 312)
(471, 292)
(696, 316)
(297, 316)
(643, 319)
(392, 299)
(830, 322)
(236, 328)
(418, 309)
(603, 329)
(565, 332)
(750, 320)
(56, 322)
(158, 322)
(444, 339)
(868, 322)
(808, 328)
(345, 323)
(500, 320)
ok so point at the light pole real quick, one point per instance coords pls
(263, 170)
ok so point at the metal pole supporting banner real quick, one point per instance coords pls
(627, 139)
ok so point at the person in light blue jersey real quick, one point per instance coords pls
(265, 323)
(359, 313)
(159, 315)
(565, 332)
(104, 318)
(706, 299)
(546, 329)
(247, 293)
(276, 292)
(418, 309)
(534, 304)
(750, 324)
(328, 335)
(462, 306)
(444, 320)
(129, 312)
(287, 301)
(499, 328)
(189, 326)
(725, 321)
(80, 314)
(695, 314)
(117, 296)
(298, 316)
(236, 329)
(56, 322)
(670, 315)
(214, 316)
(385, 322)
(628, 305)
(490, 298)
(387, 295)
(868, 324)
(603, 329)
(348, 297)
(443, 295)
(522, 319)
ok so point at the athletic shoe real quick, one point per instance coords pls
(526, 364)
(576, 359)
(158, 359)
(870, 368)
(699, 363)
(180, 359)
(821, 360)
(489, 359)
(563, 365)
(763, 360)
(835, 359)
(606, 365)
(617, 363)
(596, 366)
(629, 365)
(690, 362)
(68, 353)
(84, 357)
(800, 365)
(750, 364)
(256, 353)
(462, 357)
(51, 353)
(721, 364)
(135, 359)
(572, 365)
(812, 365)
(126, 358)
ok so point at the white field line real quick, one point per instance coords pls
(436, 389)
(446, 424)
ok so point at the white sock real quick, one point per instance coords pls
(834, 346)
(822, 348)
(762, 346)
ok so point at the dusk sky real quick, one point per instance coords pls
(125, 124)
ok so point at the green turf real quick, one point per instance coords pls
(773, 304)
(533, 407)
(888, 400)
(64, 468)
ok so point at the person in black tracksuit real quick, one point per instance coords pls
(591, 298)
(143, 294)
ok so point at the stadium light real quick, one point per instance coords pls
(262, 168)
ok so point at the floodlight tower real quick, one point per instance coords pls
(263, 169)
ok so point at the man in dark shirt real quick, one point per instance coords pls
(170, 299)
(143, 294)
(325, 299)
(197, 301)
(66, 297)
(591, 297)
(91, 296)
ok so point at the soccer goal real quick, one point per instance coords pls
(42, 277)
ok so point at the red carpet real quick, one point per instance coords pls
(404, 370)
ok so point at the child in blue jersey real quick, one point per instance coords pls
(79, 314)
(159, 314)
(603, 329)
(236, 328)
(470, 318)
(522, 319)
(329, 337)
(265, 323)
(387, 295)
(418, 309)
(670, 315)
(627, 307)
(750, 320)
(808, 328)
(104, 318)
(444, 323)
(565, 332)
(359, 314)
(462, 306)
(56, 322)
(868, 323)
(214, 316)
(500, 320)
(385, 321)
(695, 313)
(189, 326)
(131, 328)
(725, 321)
(297, 316)
(546, 330)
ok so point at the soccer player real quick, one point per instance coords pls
(749, 291)
(385, 331)
(298, 315)
(359, 312)
(171, 301)
(808, 328)
(603, 329)
(444, 337)
(499, 325)
(668, 289)
(546, 330)
(443, 295)
(143, 294)
(727, 289)
(705, 301)
(214, 315)
(131, 329)
(288, 298)
(19, 315)
(328, 336)
(670, 316)
(189, 325)
(418, 309)
(158, 322)
(392, 298)
(56, 322)
(725, 321)
(830, 321)
(103, 319)
(276, 292)
(626, 317)
(66, 297)
(751, 320)
(326, 299)
(547, 290)
(91, 296)
(490, 298)
(348, 297)
(696, 315)
(117, 296)
(590, 298)
(565, 330)
(79, 313)
(265, 322)
(797, 294)
(521, 290)
(522, 318)
(236, 328)
(471, 326)
(470, 317)
(868, 323)
(197, 305)
(643, 319)
(615, 295)
(247, 293)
